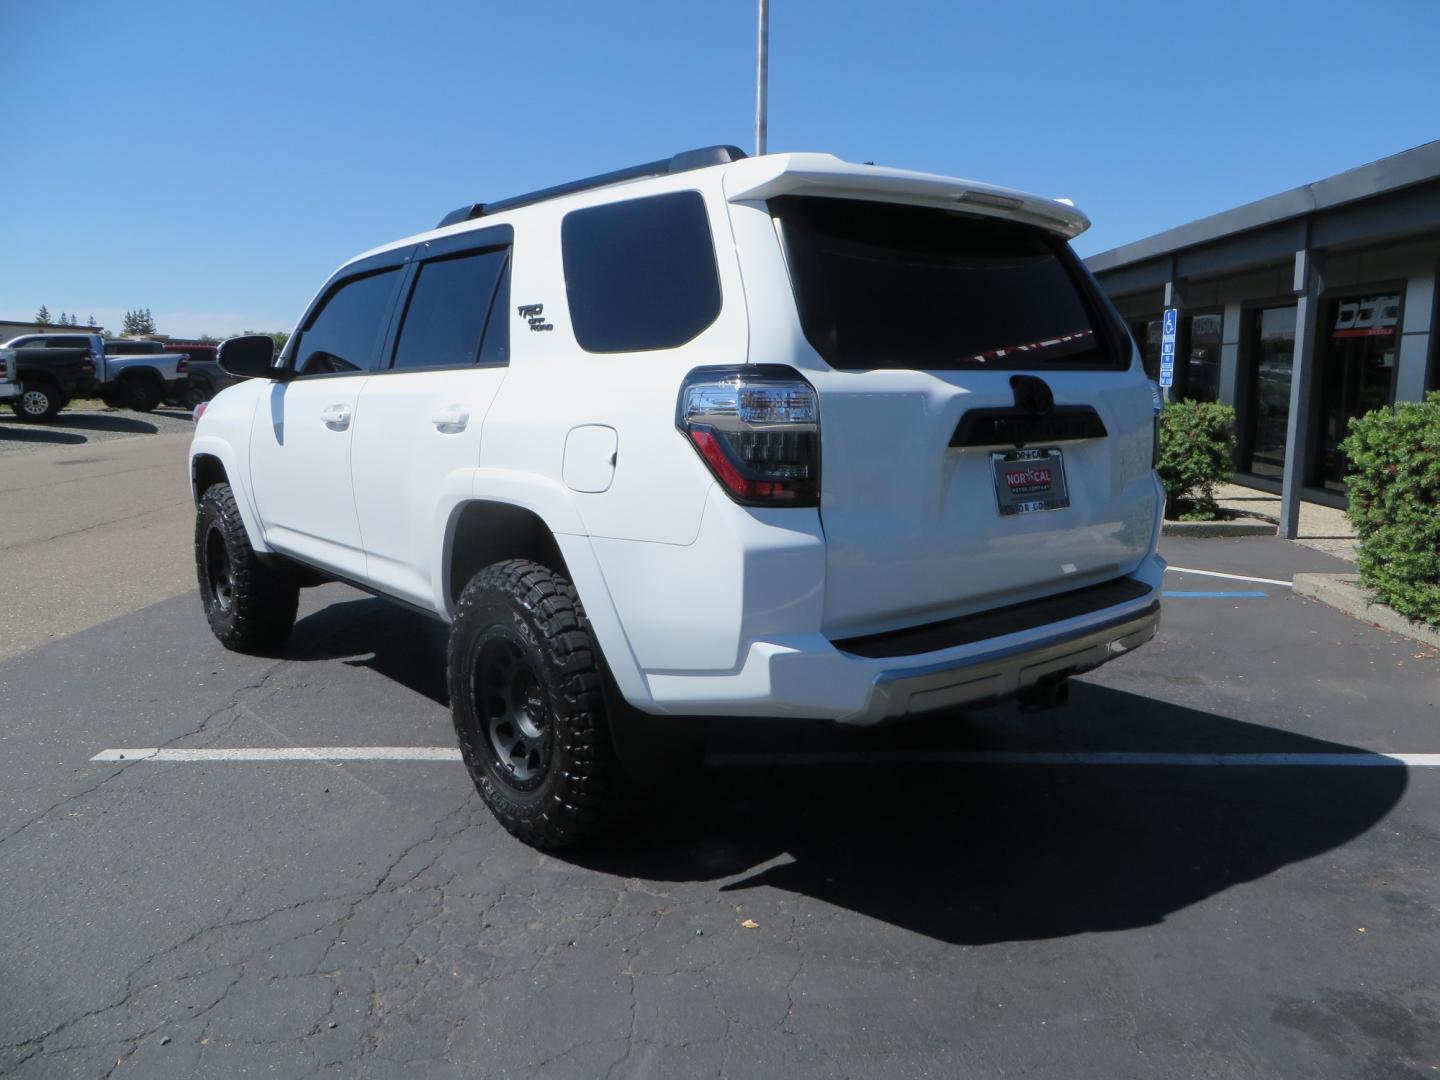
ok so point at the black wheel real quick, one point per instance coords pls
(196, 391)
(37, 401)
(250, 606)
(140, 394)
(527, 695)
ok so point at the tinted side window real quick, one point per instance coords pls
(446, 318)
(344, 333)
(640, 274)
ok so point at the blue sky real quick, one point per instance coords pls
(215, 161)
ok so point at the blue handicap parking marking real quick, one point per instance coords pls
(1180, 594)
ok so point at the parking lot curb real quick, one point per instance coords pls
(1344, 593)
(1250, 527)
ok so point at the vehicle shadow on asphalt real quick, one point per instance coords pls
(981, 854)
(403, 646)
(72, 425)
(966, 854)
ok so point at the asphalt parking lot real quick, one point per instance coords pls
(84, 425)
(95, 520)
(1179, 873)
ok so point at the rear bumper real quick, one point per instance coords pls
(1006, 671)
(808, 676)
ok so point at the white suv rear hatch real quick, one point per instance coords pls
(924, 317)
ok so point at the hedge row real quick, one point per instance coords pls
(1197, 443)
(1394, 489)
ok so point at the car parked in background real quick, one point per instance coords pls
(51, 369)
(9, 381)
(206, 377)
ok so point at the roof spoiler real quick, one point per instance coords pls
(823, 174)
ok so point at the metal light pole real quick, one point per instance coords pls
(762, 75)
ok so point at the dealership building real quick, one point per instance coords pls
(1301, 310)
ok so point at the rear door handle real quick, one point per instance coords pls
(451, 420)
(336, 417)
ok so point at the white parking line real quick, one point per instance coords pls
(284, 753)
(1081, 757)
(1229, 577)
(1359, 759)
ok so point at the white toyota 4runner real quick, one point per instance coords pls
(780, 436)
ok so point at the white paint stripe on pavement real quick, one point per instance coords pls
(284, 753)
(1230, 577)
(914, 757)
(1092, 757)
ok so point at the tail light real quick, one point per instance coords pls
(199, 411)
(758, 429)
(182, 365)
(3, 368)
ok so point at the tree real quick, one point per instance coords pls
(138, 323)
(42, 317)
(74, 320)
(90, 321)
(208, 339)
(280, 337)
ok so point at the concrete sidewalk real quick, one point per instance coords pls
(1321, 527)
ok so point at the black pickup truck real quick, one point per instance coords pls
(51, 369)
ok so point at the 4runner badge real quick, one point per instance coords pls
(533, 314)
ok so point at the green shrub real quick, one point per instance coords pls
(1197, 439)
(1394, 487)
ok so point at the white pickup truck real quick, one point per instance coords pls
(44, 371)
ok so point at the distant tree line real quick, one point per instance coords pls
(140, 323)
(42, 318)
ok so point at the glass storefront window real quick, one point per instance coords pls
(1197, 376)
(1357, 373)
(1272, 356)
(1147, 334)
(1201, 378)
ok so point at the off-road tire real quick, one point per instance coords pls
(255, 609)
(38, 401)
(196, 391)
(141, 394)
(576, 788)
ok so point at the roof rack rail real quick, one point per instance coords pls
(681, 162)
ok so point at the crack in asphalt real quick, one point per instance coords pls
(232, 704)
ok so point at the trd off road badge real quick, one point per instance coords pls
(534, 315)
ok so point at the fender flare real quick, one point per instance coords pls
(237, 473)
(553, 504)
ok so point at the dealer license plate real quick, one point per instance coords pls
(1029, 480)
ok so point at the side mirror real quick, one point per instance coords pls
(250, 357)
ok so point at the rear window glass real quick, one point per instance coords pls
(640, 274)
(886, 286)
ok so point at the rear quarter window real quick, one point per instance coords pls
(640, 274)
